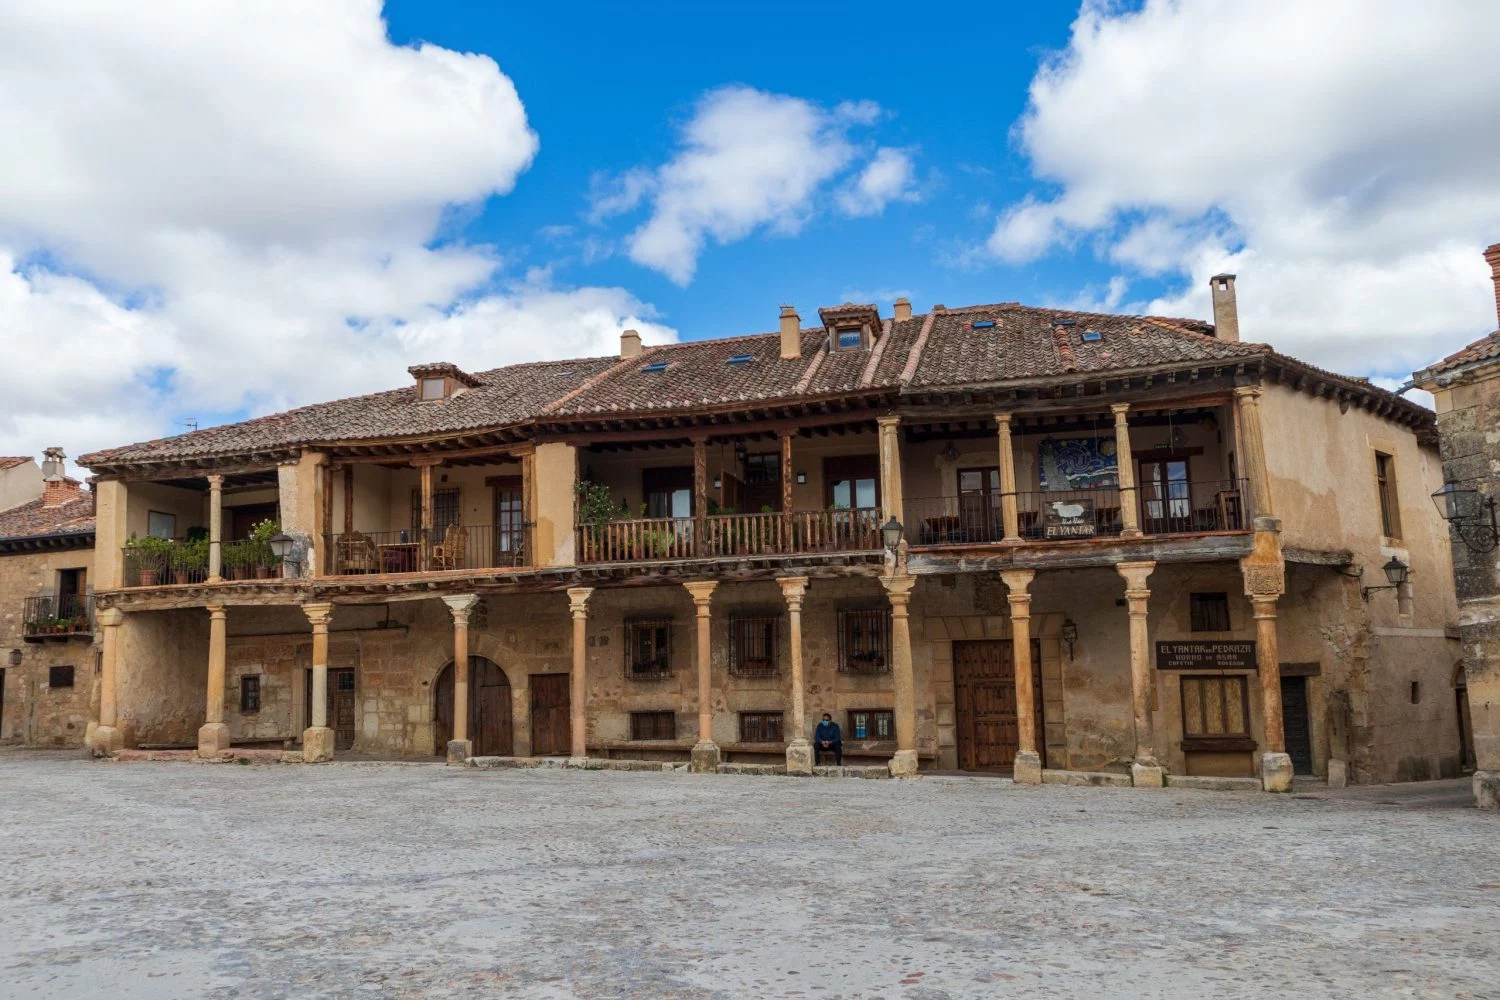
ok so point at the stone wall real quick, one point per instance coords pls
(33, 712)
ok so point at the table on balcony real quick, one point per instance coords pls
(399, 557)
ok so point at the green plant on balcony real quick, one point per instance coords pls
(595, 506)
(151, 557)
(190, 559)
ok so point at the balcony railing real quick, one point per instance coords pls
(765, 534)
(414, 550)
(166, 562)
(69, 614)
(1171, 508)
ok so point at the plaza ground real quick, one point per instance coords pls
(373, 879)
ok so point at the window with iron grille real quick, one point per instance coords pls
(1209, 612)
(60, 677)
(445, 510)
(250, 693)
(760, 727)
(653, 725)
(648, 648)
(865, 641)
(752, 645)
(871, 724)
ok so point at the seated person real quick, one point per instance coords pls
(828, 739)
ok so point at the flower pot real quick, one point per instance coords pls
(148, 578)
(263, 572)
(180, 576)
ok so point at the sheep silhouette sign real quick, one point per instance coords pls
(1069, 519)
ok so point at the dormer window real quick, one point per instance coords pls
(851, 327)
(440, 380)
(850, 339)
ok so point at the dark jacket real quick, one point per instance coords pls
(827, 732)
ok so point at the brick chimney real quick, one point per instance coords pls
(791, 332)
(57, 489)
(903, 308)
(630, 344)
(1492, 257)
(1226, 312)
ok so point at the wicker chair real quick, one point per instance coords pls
(355, 553)
(449, 553)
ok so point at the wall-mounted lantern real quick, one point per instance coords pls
(1069, 634)
(1467, 511)
(1395, 571)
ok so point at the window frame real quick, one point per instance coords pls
(249, 693)
(769, 726)
(1201, 738)
(740, 642)
(851, 729)
(633, 629)
(61, 675)
(849, 620)
(1204, 609)
(651, 721)
(424, 383)
(1387, 494)
(439, 526)
(839, 333)
(851, 469)
(170, 518)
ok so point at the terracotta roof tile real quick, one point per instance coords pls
(1486, 348)
(11, 461)
(33, 520)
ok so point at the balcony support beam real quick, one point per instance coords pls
(705, 757)
(578, 606)
(215, 528)
(460, 747)
(213, 736)
(1125, 463)
(1028, 763)
(1008, 512)
(317, 738)
(799, 751)
(890, 468)
(898, 592)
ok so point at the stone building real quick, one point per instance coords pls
(990, 538)
(47, 652)
(1465, 389)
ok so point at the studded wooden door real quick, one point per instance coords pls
(984, 689)
(550, 715)
(490, 716)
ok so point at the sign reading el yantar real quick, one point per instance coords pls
(1189, 655)
(1068, 519)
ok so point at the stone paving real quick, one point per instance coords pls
(381, 880)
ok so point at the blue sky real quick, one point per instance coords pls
(220, 211)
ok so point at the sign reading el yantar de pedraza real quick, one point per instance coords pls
(1200, 655)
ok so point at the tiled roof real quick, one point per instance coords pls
(1486, 348)
(33, 520)
(11, 461)
(929, 351)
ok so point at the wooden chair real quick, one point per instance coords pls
(355, 554)
(449, 553)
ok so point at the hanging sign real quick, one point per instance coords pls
(1068, 518)
(1199, 655)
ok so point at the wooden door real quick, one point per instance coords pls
(984, 687)
(510, 524)
(490, 726)
(550, 715)
(340, 705)
(1295, 725)
(242, 520)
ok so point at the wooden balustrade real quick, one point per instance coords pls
(727, 535)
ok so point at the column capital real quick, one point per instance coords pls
(215, 481)
(1002, 420)
(702, 592)
(1250, 392)
(216, 610)
(1119, 410)
(1135, 574)
(1018, 580)
(898, 585)
(578, 600)
(889, 420)
(109, 617)
(460, 605)
(1263, 605)
(792, 589)
(426, 460)
(318, 614)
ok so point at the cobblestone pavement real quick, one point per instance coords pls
(382, 880)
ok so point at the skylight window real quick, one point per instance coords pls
(741, 359)
(1092, 336)
(983, 324)
(1067, 322)
(656, 366)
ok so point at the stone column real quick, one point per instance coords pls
(898, 591)
(1008, 512)
(460, 746)
(578, 604)
(1028, 765)
(1146, 771)
(1264, 571)
(215, 528)
(107, 736)
(1130, 505)
(705, 757)
(317, 739)
(799, 750)
(891, 494)
(1252, 449)
(213, 735)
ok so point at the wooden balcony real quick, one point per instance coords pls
(729, 535)
(413, 550)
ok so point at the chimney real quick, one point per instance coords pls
(52, 462)
(791, 332)
(903, 308)
(1492, 256)
(1226, 313)
(630, 344)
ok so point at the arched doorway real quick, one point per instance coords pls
(490, 729)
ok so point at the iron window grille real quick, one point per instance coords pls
(760, 727)
(871, 724)
(865, 641)
(60, 677)
(653, 725)
(648, 648)
(250, 693)
(752, 645)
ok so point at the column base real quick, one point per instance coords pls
(904, 764)
(577, 763)
(1028, 768)
(213, 739)
(107, 739)
(1487, 789)
(1275, 772)
(1132, 533)
(1338, 773)
(459, 751)
(705, 758)
(1148, 774)
(317, 745)
(799, 757)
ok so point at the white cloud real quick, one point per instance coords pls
(889, 177)
(1340, 155)
(747, 160)
(211, 207)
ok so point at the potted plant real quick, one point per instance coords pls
(152, 556)
(258, 548)
(190, 560)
